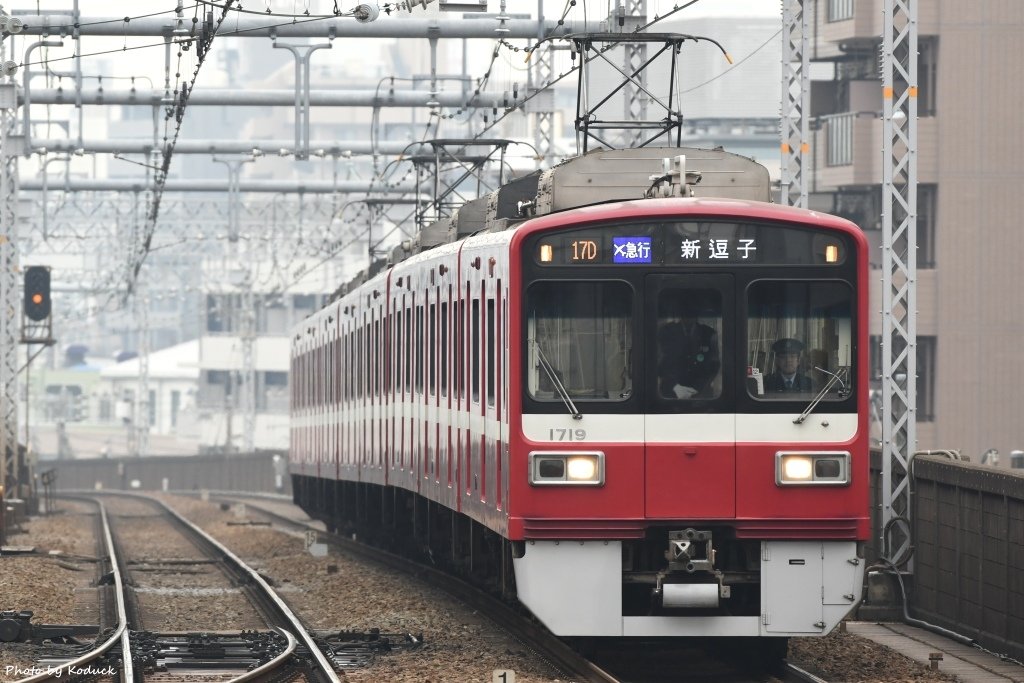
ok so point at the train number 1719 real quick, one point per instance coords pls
(567, 434)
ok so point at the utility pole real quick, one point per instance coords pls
(244, 314)
(633, 15)
(796, 101)
(899, 274)
(10, 148)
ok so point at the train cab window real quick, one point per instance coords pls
(799, 340)
(689, 342)
(579, 339)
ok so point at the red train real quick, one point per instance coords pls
(578, 389)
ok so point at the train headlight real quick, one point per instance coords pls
(828, 468)
(549, 468)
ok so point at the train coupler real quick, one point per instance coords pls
(690, 552)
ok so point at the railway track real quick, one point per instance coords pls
(129, 654)
(116, 643)
(556, 652)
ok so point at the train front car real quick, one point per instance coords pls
(691, 419)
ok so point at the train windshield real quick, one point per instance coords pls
(579, 340)
(689, 317)
(799, 340)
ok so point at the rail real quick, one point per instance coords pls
(547, 646)
(298, 631)
(121, 633)
(552, 649)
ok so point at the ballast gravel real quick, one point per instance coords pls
(339, 593)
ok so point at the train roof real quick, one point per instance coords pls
(598, 177)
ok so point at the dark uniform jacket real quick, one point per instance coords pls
(689, 358)
(775, 382)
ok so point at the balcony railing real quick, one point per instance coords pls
(839, 139)
(840, 10)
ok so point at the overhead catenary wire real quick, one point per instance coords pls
(390, 171)
(384, 173)
(203, 44)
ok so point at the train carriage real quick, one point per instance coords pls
(512, 402)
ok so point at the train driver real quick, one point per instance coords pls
(787, 375)
(688, 350)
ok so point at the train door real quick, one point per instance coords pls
(690, 424)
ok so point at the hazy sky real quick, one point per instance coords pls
(149, 60)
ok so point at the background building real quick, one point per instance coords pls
(970, 146)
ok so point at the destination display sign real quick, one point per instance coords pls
(690, 243)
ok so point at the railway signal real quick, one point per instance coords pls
(37, 293)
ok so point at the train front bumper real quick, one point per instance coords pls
(575, 589)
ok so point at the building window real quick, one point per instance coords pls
(840, 10)
(927, 74)
(926, 355)
(926, 347)
(216, 314)
(175, 407)
(926, 226)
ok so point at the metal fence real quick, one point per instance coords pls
(969, 551)
(264, 471)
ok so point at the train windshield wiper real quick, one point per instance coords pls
(549, 370)
(833, 378)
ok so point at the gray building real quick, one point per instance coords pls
(970, 145)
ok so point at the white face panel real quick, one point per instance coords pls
(689, 428)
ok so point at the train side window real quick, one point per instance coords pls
(328, 374)
(579, 340)
(389, 368)
(474, 374)
(361, 364)
(444, 348)
(367, 359)
(421, 352)
(432, 349)
(350, 381)
(408, 350)
(376, 357)
(491, 346)
(800, 340)
(398, 353)
(460, 352)
(340, 369)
